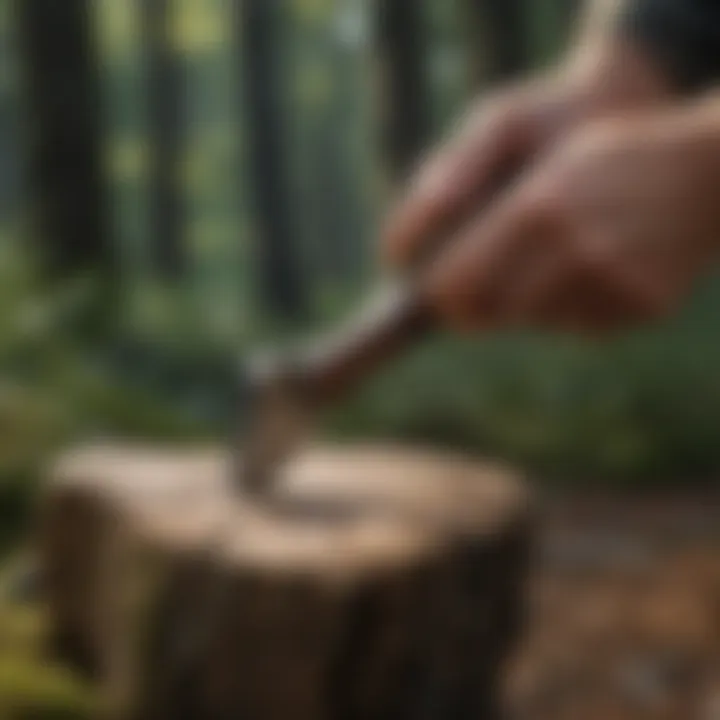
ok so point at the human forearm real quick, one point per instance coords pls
(614, 69)
(679, 40)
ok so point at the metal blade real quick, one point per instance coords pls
(275, 419)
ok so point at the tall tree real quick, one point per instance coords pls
(498, 37)
(338, 222)
(8, 131)
(333, 207)
(165, 103)
(279, 272)
(404, 102)
(569, 12)
(8, 156)
(66, 189)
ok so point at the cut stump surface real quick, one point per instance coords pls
(371, 583)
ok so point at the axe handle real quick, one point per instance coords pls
(384, 329)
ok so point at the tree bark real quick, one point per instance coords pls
(279, 270)
(8, 159)
(337, 222)
(165, 103)
(498, 39)
(371, 584)
(63, 129)
(404, 102)
(569, 11)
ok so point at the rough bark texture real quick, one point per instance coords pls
(403, 100)
(166, 127)
(62, 131)
(280, 278)
(498, 39)
(375, 583)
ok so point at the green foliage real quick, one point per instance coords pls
(646, 406)
(30, 691)
(53, 388)
(32, 687)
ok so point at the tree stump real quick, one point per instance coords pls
(372, 584)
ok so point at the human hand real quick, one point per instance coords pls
(502, 135)
(608, 231)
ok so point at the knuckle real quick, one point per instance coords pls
(591, 259)
(552, 203)
(549, 207)
(593, 139)
(431, 177)
(497, 116)
(585, 154)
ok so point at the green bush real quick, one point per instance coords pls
(57, 385)
(32, 687)
(35, 691)
(643, 407)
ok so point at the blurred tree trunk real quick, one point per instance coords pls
(569, 11)
(8, 135)
(66, 190)
(499, 46)
(338, 219)
(279, 271)
(8, 158)
(404, 102)
(165, 95)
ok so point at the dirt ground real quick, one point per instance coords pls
(624, 617)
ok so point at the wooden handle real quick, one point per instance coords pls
(394, 319)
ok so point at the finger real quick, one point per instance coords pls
(599, 301)
(578, 307)
(628, 293)
(450, 189)
(545, 289)
(535, 283)
(471, 281)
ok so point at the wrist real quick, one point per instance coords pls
(613, 73)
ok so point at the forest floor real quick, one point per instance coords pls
(624, 620)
